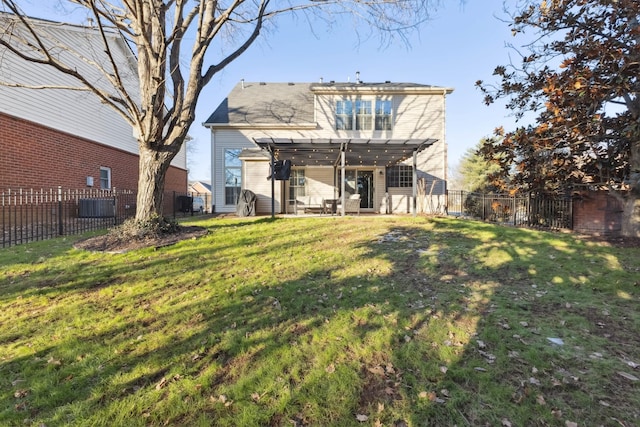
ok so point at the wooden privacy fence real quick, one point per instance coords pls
(31, 215)
(533, 210)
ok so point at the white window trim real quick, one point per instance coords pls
(108, 171)
(361, 118)
(235, 168)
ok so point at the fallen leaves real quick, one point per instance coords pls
(164, 381)
(19, 394)
(53, 361)
(432, 396)
(628, 376)
(221, 399)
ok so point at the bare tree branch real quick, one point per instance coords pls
(171, 74)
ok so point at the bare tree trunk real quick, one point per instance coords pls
(153, 169)
(631, 202)
(631, 216)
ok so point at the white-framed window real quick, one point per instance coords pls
(297, 184)
(344, 115)
(400, 176)
(383, 114)
(363, 114)
(360, 114)
(232, 176)
(105, 178)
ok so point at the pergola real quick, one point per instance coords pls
(342, 152)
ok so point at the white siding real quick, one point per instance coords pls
(400, 200)
(319, 182)
(254, 178)
(222, 140)
(380, 202)
(416, 116)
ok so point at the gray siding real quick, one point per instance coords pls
(77, 112)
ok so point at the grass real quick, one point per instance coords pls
(323, 322)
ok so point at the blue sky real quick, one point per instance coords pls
(460, 45)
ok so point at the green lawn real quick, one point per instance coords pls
(394, 321)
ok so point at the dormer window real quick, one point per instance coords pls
(360, 114)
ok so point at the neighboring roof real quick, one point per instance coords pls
(327, 152)
(204, 184)
(288, 104)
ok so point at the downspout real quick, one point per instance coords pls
(273, 184)
(415, 182)
(444, 140)
(342, 186)
(214, 191)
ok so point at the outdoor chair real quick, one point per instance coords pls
(351, 204)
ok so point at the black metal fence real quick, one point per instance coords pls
(533, 210)
(31, 215)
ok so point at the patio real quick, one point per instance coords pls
(340, 153)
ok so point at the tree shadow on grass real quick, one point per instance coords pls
(363, 318)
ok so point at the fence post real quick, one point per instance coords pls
(115, 207)
(60, 224)
(515, 212)
(462, 203)
(484, 218)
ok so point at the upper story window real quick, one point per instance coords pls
(383, 114)
(361, 115)
(344, 115)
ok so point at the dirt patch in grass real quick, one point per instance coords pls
(115, 244)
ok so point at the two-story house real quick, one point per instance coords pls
(53, 136)
(377, 140)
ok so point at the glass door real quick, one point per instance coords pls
(360, 182)
(365, 189)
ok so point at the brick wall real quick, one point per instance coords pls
(35, 156)
(596, 213)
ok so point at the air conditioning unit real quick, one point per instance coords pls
(96, 208)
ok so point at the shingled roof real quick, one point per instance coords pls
(266, 103)
(292, 103)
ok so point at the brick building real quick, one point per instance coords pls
(68, 138)
(597, 212)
